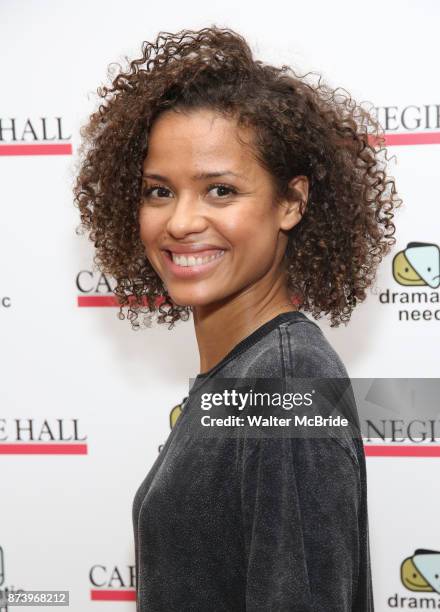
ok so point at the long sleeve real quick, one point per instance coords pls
(300, 509)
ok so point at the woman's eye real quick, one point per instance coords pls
(160, 192)
(222, 189)
(147, 191)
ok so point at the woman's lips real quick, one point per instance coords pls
(195, 270)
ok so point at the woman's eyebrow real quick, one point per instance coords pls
(196, 177)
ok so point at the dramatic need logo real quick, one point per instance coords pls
(418, 265)
(421, 572)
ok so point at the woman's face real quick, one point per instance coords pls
(207, 217)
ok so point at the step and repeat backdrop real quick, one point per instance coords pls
(85, 401)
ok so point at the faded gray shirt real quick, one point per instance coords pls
(224, 524)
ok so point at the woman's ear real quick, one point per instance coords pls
(294, 205)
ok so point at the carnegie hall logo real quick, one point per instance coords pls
(420, 576)
(400, 438)
(416, 270)
(24, 436)
(112, 582)
(410, 124)
(34, 136)
(95, 289)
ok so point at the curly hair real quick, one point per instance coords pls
(300, 128)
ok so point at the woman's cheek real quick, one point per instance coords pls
(149, 227)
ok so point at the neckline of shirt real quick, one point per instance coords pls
(251, 339)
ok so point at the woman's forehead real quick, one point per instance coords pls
(202, 140)
(201, 125)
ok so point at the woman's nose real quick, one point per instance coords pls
(186, 217)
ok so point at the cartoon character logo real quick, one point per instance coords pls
(176, 411)
(421, 572)
(418, 264)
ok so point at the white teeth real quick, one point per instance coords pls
(183, 260)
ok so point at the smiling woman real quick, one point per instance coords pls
(187, 215)
(216, 185)
(208, 82)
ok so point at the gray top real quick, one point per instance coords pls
(247, 524)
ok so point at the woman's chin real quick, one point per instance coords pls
(189, 299)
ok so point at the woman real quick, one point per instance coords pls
(215, 185)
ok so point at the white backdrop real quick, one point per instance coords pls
(84, 400)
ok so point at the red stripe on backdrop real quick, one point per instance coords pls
(112, 595)
(410, 138)
(97, 300)
(40, 448)
(36, 149)
(371, 450)
(108, 300)
(401, 450)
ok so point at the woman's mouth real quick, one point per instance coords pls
(192, 264)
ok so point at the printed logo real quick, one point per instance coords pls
(31, 136)
(418, 264)
(112, 583)
(176, 411)
(409, 125)
(421, 572)
(96, 290)
(41, 437)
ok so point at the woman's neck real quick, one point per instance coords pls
(220, 327)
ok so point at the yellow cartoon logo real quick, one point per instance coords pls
(421, 572)
(175, 413)
(418, 264)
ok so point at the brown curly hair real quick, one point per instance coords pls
(300, 128)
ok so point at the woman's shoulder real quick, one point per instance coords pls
(296, 348)
(311, 353)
